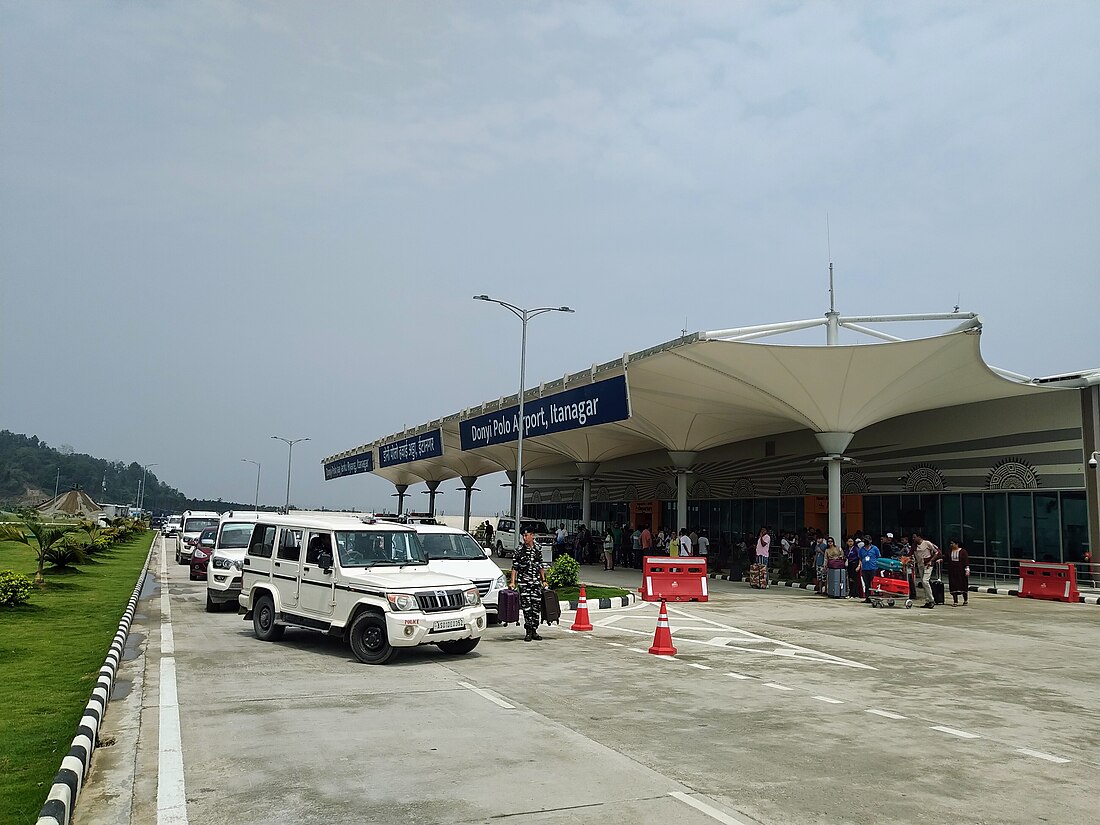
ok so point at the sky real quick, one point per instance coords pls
(225, 221)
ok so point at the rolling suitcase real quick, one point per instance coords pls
(937, 591)
(551, 609)
(836, 583)
(758, 576)
(508, 607)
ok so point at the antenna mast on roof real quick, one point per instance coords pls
(829, 247)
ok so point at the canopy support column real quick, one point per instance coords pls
(468, 488)
(512, 488)
(433, 486)
(682, 460)
(834, 445)
(587, 469)
(401, 488)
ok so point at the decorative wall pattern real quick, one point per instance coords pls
(793, 486)
(665, 491)
(924, 478)
(700, 489)
(1013, 474)
(743, 488)
(853, 482)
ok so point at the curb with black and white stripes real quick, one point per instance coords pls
(995, 591)
(58, 808)
(603, 604)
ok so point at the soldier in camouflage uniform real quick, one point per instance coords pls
(527, 568)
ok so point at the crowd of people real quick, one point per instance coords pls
(808, 553)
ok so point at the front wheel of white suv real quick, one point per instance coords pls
(369, 641)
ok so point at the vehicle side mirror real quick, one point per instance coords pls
(207, 542)
(324, 560)
(488, 551)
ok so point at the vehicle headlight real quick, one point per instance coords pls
(221, 563)
(402, 601)
(472, 598)
(499, 584)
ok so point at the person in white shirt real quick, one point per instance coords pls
(685, 542)
(763, 547)
(704, 543)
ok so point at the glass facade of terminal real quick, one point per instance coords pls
(996, 527)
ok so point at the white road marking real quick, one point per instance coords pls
(777, 686)
(738, 675)
(616, 644)
(885, 714)
(484, 694)
(171, 794)
(962, 734)
(1049, 757)
(709, 810)
(663, 656)
(637, 650)
(829, 700)
(700, 667)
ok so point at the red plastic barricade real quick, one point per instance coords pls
(1043, 580)
(674, 579)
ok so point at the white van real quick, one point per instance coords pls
(223, 572)
(506, 539)
(456, 552)
(192, 523)
(365, 581)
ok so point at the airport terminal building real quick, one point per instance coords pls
(727, 432)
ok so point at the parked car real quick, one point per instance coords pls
(202, 549)
(506, 538)
(365, 581)
(456, 552)
(223, 571)
(192, 523)
(172, 526)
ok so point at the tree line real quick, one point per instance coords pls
(29, 469)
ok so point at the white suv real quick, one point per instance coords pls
(223, 571)
(456, 552)
(193, 522)
(172, 526)
(367, 582)
(506, 539)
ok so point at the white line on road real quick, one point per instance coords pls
(637, 650)
(885, 714)
(171, 796)
(710, 811)
(699, 667)
(1049, 757)
(487, 695)
(616, 644)
(829, 700)
(962, 734)
(777, 686)
(738, 676)
(663, 656)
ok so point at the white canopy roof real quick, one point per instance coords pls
(704, 390)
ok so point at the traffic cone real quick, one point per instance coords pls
(581, 622)
(662, 638)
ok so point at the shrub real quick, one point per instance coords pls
(564, 572)
(14, 588)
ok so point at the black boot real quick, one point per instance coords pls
(529, 636)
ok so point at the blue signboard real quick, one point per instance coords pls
(413, 448)
(349, 466)
(600, 403)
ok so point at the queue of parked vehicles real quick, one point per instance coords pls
(382, 583)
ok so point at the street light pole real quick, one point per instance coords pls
(290, 442)
(250, 461)
(141, 494)
(524, 316)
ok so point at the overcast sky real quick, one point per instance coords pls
(221, 221)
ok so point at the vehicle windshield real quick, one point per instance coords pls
(535, 527)
(197, 525)
(368, 548)
(236, 535)
(208, 534)
(451, 546)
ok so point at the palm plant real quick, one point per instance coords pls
(66, 553)
(46, 537)
(93, 544)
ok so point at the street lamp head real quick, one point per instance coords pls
(564, 309)
(482, 298)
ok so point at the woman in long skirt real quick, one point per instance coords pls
(958, 573)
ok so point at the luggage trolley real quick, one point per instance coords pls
(891, 583)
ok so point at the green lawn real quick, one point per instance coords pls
(591, 591)
(51, 650)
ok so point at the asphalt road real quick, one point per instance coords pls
(780, 707)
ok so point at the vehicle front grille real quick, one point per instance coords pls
(440, 600)
(483, 586)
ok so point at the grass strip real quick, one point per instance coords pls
(51, 650)
(591, 591)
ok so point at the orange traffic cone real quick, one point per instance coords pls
(662, 638)
(581, 622)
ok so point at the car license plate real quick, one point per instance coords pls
(449, 624)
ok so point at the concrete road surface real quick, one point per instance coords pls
(779, 707)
